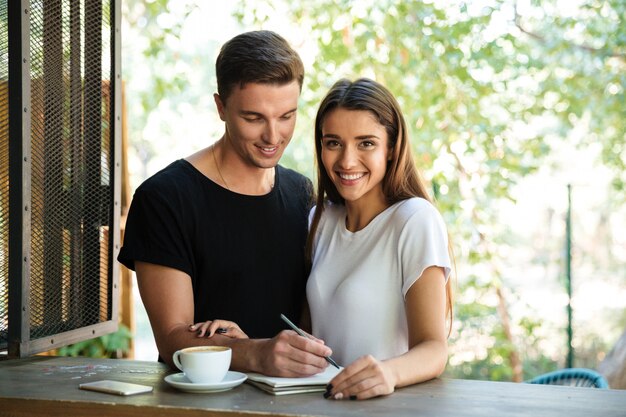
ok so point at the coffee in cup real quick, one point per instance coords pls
(203, 364)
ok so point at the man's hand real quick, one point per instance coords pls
(291, 355)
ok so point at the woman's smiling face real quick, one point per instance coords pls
(355, 151)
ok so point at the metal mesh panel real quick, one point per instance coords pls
(71, 161)
(4, 175)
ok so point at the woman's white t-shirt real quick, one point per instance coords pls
(358, 280)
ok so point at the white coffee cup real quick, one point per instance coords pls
(203, 364)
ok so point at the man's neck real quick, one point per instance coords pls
(222, 165)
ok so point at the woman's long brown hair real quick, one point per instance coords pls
(402, 179)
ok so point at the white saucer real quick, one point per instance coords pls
(231, 380)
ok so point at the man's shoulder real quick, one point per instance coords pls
(169, 178)
(293, 180)
(291, 175)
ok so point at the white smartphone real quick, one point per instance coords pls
(115, 387)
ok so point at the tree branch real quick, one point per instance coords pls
(585, 48)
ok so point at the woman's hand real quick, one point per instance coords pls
(224, 327)
(364, 378)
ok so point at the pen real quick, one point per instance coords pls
(301, 333)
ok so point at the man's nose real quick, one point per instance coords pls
(270, 134)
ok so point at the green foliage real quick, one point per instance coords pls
(161, 67)
(113, 345)
(477, 320)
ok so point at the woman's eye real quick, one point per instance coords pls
(331, 143)
(367, 143)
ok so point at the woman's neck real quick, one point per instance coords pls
(362, 211)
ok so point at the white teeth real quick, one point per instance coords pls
(351, 177)
(268, 149)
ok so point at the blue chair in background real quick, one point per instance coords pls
(572, 377)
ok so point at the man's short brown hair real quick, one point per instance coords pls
(256, 57)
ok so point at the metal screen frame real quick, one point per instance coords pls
(20, 343)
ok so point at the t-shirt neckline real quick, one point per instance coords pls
(225, 190)
(371, 225)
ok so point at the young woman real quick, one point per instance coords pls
(378, 290)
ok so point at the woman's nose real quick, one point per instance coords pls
(348, 158)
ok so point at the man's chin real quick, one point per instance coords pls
(267, 163)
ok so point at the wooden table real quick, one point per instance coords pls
(49, 386)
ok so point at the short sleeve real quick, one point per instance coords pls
(423, 243)
(311, 214)
(155, 233)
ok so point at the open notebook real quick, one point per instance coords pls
(282, 386)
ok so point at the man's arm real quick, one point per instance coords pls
(167, 295)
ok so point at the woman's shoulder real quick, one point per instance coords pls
(417, 210)
(334, 209)
(411, 206)
(331, 213)
(330, 210)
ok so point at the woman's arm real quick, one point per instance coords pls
(425, 305)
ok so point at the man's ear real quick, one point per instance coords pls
(220, 106)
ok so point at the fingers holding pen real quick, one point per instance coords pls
(309, 344)
(290, 355)
(313, 338)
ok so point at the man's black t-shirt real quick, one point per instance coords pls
(244, 254)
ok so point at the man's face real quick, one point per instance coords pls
(260, 119)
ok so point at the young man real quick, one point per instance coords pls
(221, 234)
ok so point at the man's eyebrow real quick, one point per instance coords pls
(250, 113)
(257, 114)
(291, 111)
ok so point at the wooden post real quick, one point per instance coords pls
(127, 313)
